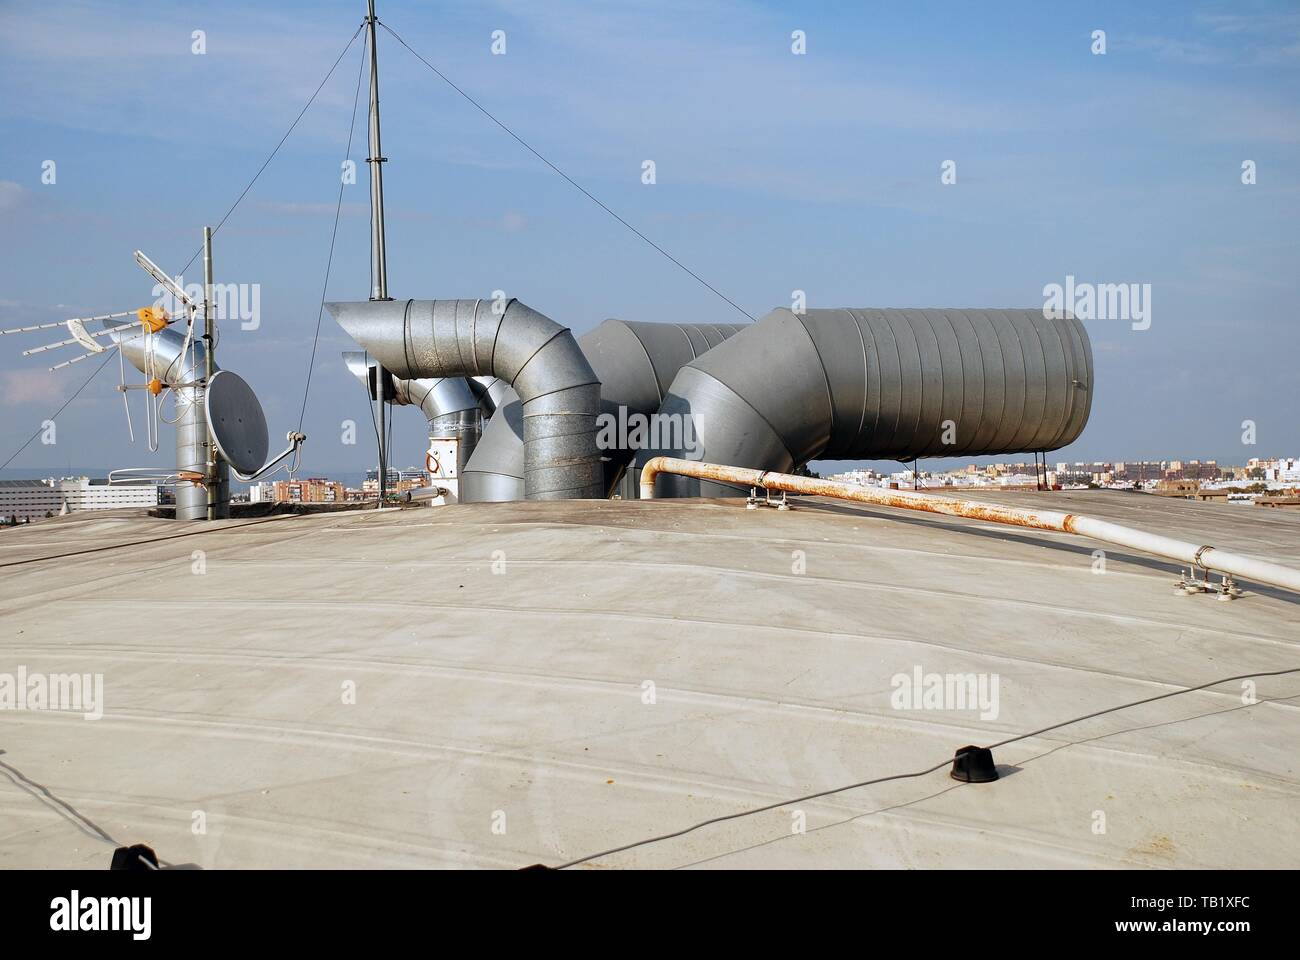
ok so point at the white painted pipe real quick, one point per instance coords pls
(1204, 556)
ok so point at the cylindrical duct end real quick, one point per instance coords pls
(882, 384)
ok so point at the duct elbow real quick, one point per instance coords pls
(718, 424)
(558, 391)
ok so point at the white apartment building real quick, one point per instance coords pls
(22, 500)
(263, 492)
(1284, 469)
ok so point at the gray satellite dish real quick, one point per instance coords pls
(237, 423)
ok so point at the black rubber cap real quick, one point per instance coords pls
(974, 765)
(137, 857)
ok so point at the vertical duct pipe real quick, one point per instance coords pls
(165, 355)
(451, 408)
(881, 384)
(558, 391)
(496, 471)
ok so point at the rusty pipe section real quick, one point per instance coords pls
(1197, 555)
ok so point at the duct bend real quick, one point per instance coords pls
(881, 384)
(163, 353)
(636, 363)
(490, 391)
(559, 393)
(449, 405)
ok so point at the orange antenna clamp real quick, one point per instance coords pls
(153, 319)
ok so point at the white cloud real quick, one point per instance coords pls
(21, 387)
(94, 68)
(1169, 49)
(11, 194)
(313, 209)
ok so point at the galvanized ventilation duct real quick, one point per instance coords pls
(636, 363)
(882, 384)
(496, 471)
(451, 408)
(450, 404)
(489, 391)
(559, 392)
(165, 354)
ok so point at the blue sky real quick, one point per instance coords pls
(775, 172)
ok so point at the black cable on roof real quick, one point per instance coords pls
(908, 776)
(210, 528)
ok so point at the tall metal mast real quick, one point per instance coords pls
(217, 482)
(378, 243)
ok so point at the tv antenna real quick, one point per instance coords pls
(219, 421)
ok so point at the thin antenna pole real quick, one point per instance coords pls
(207, 303)
(207, 367)
(378, 240)
(215, 489)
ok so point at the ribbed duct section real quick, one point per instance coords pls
(635, 362)
(489, 391)
(882, 384)
(449, 404)
(558, 391)
(451, 408)
(496, 471)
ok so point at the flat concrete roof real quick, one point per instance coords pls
(503, 715)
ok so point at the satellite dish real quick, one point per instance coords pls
(237, 422)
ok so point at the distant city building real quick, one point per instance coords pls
(1199, 479)
(312, 490)
(1285, 469)
(399, 481)
(1177, 488)
(1279, 502)
(263, 492)
(23, 500)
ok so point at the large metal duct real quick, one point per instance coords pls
(451, 408)
(496, 471)
(636, 363)
(164, 355)
(449, 404)
(559, 393)
(882, 384)
(489, 391)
